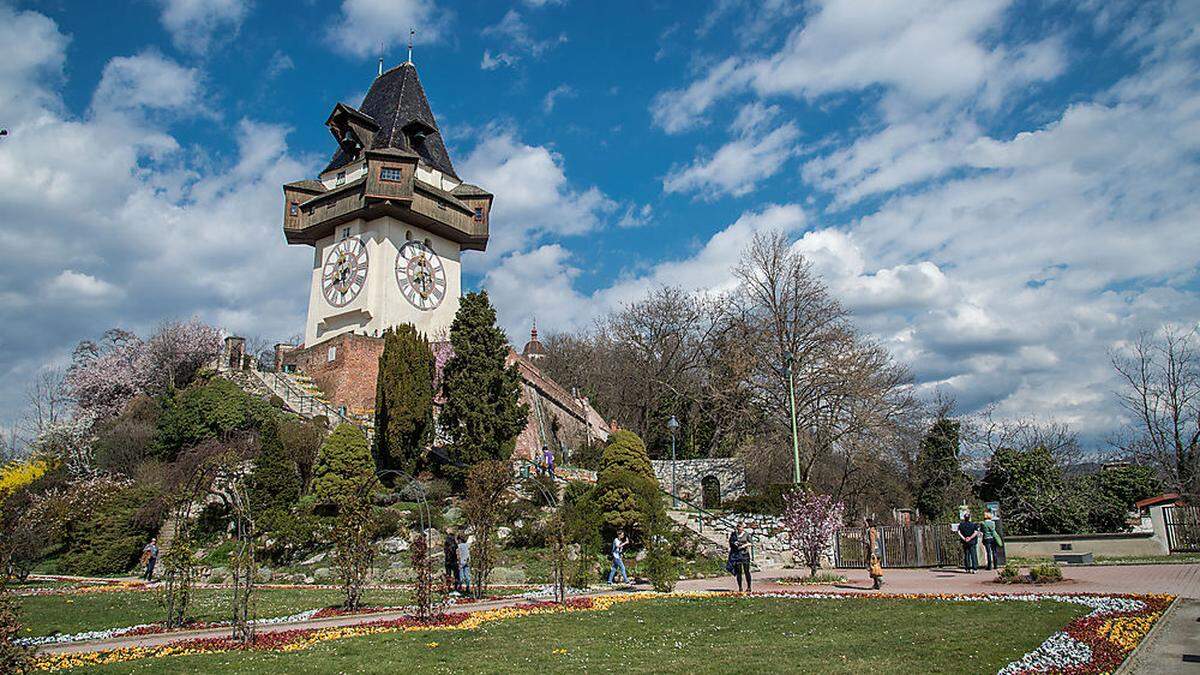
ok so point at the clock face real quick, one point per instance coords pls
(421, 276)
(345, 271)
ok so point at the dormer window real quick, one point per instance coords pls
(479, 214)
(294, 209)
(341, 178)
(391, 173)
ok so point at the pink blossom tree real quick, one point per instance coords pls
(105, 376)
(811, 521)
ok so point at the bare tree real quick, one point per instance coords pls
(1161, 392)
(849, 393)
(985, 432)
(48, 401)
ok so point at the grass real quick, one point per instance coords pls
(1173, 559)
(714, 635)
(50, 614)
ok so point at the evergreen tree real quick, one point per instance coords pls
(482, 413)
(1034, 496)
(626, 491)
(939, 480)
(625, 450)
(343, 465)
(275, 481)
(404, 400)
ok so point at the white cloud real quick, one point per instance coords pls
(71, 287)
(533, 196)
(197, 25)
(500, 59)
(541, 282)
(552, 96)
(104, 221)
(362, 26)
(517, 37)
(919, 51)
(736, 167)
(147, 81)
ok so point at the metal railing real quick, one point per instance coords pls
(305, 402)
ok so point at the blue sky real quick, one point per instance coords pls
(1002, 192)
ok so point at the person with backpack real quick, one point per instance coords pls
(874, 555)
(992, 543)
(618, 547)
(739, 555)
(150, 558)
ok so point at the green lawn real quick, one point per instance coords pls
(49, 614)
(715, 635)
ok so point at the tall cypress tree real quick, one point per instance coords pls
(939, 479)
(403, 400)
(483, 413)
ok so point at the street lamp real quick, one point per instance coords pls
(673, 424)
(795, 436)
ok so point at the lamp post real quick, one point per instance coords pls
(795, 436)
(673, 424)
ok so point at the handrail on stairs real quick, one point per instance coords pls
(306, 398)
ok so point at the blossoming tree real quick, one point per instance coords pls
(811, 521)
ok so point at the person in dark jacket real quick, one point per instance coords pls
(968, 532)
(739, 555)
(450, 551)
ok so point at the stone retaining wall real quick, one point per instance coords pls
(729, 472)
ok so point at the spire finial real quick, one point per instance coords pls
(533, 331)
(381, 57)
(411, 33)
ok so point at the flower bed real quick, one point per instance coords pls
(1097, 642)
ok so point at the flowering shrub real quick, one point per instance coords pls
(16, 475)
(811, 521)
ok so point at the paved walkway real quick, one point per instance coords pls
(1173, 646)
(1181, 580)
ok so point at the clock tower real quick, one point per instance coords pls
(388, 218)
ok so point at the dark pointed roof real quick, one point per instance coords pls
(397, 103)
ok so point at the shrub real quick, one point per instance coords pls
(1009, 574)
(210, 410)
(1045, 573)
(125, 441)
(344, 464)
(111, 538)
(13, 658)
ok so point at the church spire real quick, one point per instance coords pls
(411, 33)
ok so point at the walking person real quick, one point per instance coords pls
(739, 555)
(150, 558)
(618, 548)
(874, 555)
(968, 532)
(450, 552)
(992, 542)
(548, 460)
(464, 564)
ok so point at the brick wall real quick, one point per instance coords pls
(348, 379)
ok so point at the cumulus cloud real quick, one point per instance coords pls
(106, 222)
(541, 283)
(197, 25)
(147, 81)
(534, 199)
(363, 25)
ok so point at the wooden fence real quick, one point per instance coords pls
(903, 546)
(1183, 528)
